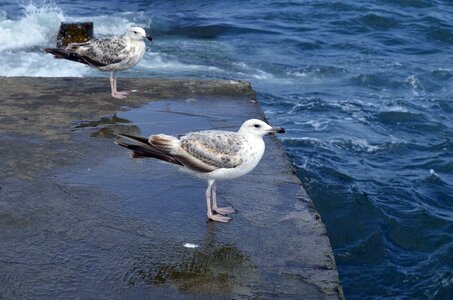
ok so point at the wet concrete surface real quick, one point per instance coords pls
(80, 219)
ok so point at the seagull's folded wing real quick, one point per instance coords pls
(100, 52)
(216, 149)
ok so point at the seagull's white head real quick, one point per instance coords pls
(138, 33)
(258, 128)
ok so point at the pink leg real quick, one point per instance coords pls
(115, 93)
(211, 216)
(219, 210)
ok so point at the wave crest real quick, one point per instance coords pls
(37, 26)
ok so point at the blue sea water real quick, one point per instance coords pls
(364, 89)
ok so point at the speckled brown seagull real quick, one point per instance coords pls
(210, 154)
(108, 54)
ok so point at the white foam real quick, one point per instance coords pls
(21, 63)
(190, 245)
(253, 72)
(36, 27)
(154, 61)
(316, 124)
(395, 108)
(357, 145)
(297, 74)
(415, 84)
(433, 173)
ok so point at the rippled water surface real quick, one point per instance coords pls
(363, 88)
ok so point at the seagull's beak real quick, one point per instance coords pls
(277, 130)
(149, 37)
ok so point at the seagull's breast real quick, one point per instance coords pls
(137, 51)
(133, 54)
(252, 153)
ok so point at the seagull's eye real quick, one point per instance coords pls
(257, 125)
(135, 32)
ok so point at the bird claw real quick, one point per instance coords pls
(224, 210)
(220, 218)
(118, 95)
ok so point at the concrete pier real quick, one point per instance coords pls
(80, 219)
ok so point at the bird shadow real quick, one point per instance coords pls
(108, 126)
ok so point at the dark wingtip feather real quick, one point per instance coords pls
(58, 53)
(133, 138)
(143, 149)
(63, 54)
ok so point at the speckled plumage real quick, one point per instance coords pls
(220, 149)
(110, 54)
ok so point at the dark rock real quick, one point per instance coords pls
(74, 33)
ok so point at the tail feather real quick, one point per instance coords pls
(63, 54)
(141, 148)
(164, 142)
